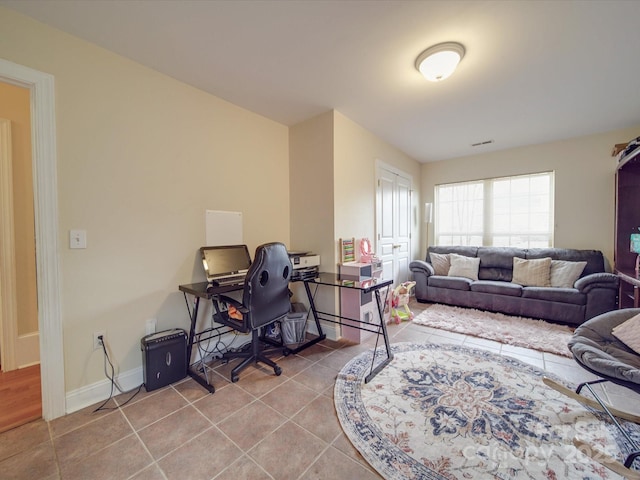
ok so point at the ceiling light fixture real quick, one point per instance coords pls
(439, 61)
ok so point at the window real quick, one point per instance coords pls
(501, 212)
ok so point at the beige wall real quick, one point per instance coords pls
(140, 158)
(15, 106)
(584, 183)
(357, 152)
(311, 186)
(333, 190)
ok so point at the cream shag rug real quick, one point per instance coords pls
(517, 331)
(445, 412)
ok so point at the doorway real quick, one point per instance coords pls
(393, 222)
(20, 399)
(43, 140)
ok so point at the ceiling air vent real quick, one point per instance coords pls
(486, 142)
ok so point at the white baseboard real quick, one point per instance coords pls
(100, 391)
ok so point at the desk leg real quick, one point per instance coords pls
(192, 332)
(321, 336)
(385, 335)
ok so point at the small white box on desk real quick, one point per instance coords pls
(356, 270)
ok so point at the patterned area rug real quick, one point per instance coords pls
(450, 412)
(518, 331)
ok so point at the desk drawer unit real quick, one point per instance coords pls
(164, 358)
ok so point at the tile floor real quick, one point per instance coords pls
(262, 427)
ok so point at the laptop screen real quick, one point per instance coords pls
(225, 260)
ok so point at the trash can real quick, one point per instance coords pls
(293, 325)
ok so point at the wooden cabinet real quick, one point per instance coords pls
(627, 222)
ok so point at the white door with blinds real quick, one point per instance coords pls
(393, 222)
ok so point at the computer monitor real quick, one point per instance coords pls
(224, 261)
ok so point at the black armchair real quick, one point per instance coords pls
(265, 299)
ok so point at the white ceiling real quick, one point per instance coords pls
(534, 71)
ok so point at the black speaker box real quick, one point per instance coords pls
(164, 358)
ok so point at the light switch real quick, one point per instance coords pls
(77, 239)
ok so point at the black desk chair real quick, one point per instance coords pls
(265, 299)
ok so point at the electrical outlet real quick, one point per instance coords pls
(97, 341)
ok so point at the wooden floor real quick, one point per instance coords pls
(20, 397)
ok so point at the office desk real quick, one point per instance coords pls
(198, 291)
(364, 285)
(204, 290)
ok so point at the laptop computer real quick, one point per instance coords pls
(226, 264)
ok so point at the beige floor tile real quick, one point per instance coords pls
(65, 424)
(244, 468)
(286, 453)
(344, 445)
(293, 364)
(251, 424)
(261, 381)
(289, 398)
(152, 472)
(411, 336)
(477, 342)
(334, 464)
(201, 458)
(119, 460)
(91, 437)
(337, 359)
(153, 408)
(317, 377)
(319, 417)
(223, 402)
(447, 338)
(172, 431)
(190, 389)
(316, 352)
(521, 352)
(23, 438)
(36, 462)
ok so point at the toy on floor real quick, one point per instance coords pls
(400, 295)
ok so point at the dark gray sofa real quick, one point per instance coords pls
(595, 292)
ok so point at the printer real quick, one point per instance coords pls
(305, 265)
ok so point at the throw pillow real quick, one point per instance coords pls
(564, 274)
(462, 266)
(440, 263)
(532, 273)
(629, 333)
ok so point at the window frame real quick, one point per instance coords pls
(487, 235)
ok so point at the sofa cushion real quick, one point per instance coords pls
(496, 287)
(440, 263)
(532, 273)
(462, 266)
(564, 274)
(492, 257)
(497, 263)
(454, 283)
(594, 258)
(458, 249)
(551, 294)
(629, 333)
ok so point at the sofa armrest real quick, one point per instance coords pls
(420, 266)
(597, 280)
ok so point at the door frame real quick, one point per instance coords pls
(45, 192)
